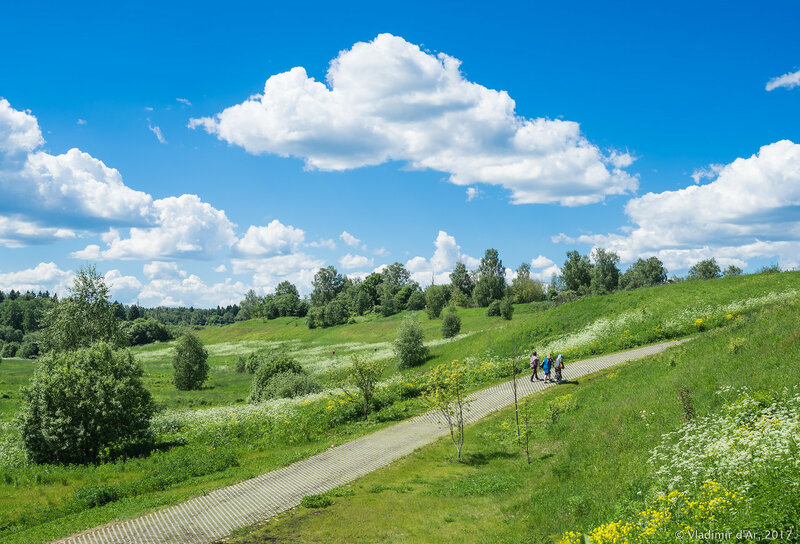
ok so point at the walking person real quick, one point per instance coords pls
(534, 366)
(546, 364)
(559, 365)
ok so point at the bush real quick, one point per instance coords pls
(451, 324)
(287, 385)
(434, 301)
(146, 331)
(30, 346)
(409, 346)
(92, 496)
(84, 403)
(272, 365)
(459, 298)
(241, 366)
(507, 308)
(190, 362)
(416, 301)
(316, 501)
(493, 309)
(9, 349)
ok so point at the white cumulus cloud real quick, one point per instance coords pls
(349, 239)
(43, 277)
(790, 80)
(350, 262)
(273, 239)
(389, 100)
(749, 211)
(439, 266)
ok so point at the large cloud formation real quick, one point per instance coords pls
(751, 210)
(51, 197)
(389, 100)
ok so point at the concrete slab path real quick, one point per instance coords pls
(205, 519)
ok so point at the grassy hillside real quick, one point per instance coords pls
(45, 502)
(590, 464)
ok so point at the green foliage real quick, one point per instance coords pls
(494, 309)
(364, 374)
(523, 288)
(328, 283)
(408, 346)
(446, 392)
(270, 366)
(434, 300)
(93, 496)
(605, 273)
(491, 284)
(577, 272)
(644, 273)
(30, 346)
(145, 331)
(241, 365)
(9, 349)
(189, 362)
(289, 384)
(416, 301)
(83, 403)
(461, 279)
(507, 308)
(770, 269)
(459, 298)
(84, 317)
(451, 324)
(732, 270)
(316, 501)
(477, 485)
(704, 270)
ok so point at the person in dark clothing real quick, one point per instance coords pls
(534, 366)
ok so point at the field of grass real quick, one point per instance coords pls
(45, 502)
(589, 466)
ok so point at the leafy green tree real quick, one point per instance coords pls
(451, 323)
(389, 305)
(272, 380)
(83, 403)
(287, 299)
(605, 273)
(507, 308)
(491, 284)
(396, 275)
(459, 298)
(371, 285)
(461, 279)
(328, 283)
(84, 317)
(644, 273)
(577, 272)
(409, 346)
(434, 300)
(493, 309)
(364, 374)
(416, 301)
(446, 392)
(189, 362)
(336, 312)
(524, 288)
(732, 270)
(705, 270)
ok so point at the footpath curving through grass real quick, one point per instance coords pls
(589, 462)
(44, 502)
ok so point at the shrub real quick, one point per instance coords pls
(93, 496)
(416, 301)
(434, 301)
(287, 385)
(241, 365)
(451, 324)
(274, 364)
(146, 331)
(9, 349)
(459, 298)
(507, 308)
(190, 362)
(493, 309)
(364, 374)
(83, 403)
(30, 346)
(408, 346)
(316, 501)
(705, 270)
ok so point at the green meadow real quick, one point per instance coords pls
(589, 462)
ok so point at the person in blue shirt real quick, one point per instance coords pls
(548, 361)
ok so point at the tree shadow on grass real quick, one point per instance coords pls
(480, 459)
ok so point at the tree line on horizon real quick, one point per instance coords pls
(337, 299)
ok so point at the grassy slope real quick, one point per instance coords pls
(583, 467)
(491, 338)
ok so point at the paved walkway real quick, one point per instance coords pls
(203, 520)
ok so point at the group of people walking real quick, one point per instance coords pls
(547, 365)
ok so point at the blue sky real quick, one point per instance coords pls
(427, 133)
